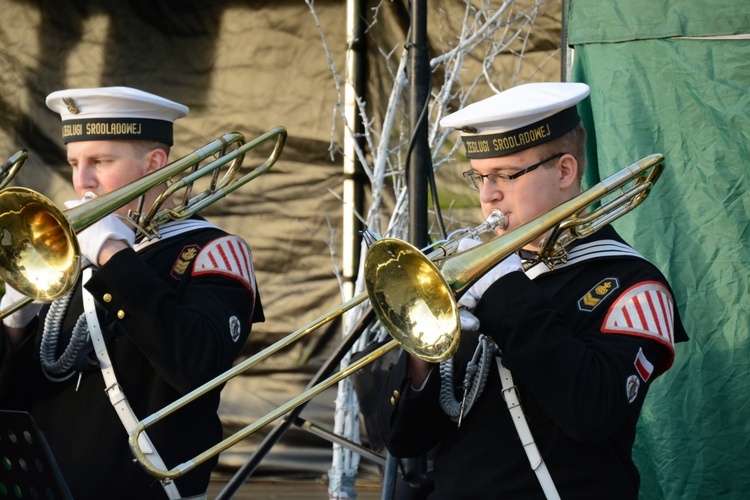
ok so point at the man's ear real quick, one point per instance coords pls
(568, 169)
(156, 160)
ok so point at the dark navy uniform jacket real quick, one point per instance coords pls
(583, 343)
(187, 301)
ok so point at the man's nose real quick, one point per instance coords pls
(488, 192)
(84, 178)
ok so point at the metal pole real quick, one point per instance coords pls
(343, 471)
(390, 475)
(566, 53)
(354, 178)
(420, 161)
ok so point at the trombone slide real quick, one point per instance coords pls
(238, 436)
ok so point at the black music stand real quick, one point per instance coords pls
(27, 467)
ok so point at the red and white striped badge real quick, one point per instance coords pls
(645, 310)
(229, 256)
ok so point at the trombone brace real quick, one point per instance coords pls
(510, 394)
(114, 391)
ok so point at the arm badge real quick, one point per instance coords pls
(228, 256)
(595, 296)
(644, 310)
(183, 261)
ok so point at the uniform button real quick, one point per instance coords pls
(107, 297)
(395, 397)
(120, 314)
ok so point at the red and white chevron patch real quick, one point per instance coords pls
(229, 256)
(645, 310)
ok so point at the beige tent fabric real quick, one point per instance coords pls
(243, 66)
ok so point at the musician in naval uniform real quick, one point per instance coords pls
(174, 311)
(577, 347)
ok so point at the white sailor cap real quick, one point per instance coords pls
(109, 113)
(518, 118)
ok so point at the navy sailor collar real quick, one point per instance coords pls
(174, 228)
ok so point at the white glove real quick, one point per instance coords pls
(467, 243)
(511, 263)
(92, 239)
(469, 322)
(88, 196)
(23, 316)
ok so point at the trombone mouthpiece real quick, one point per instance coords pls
(497, 219)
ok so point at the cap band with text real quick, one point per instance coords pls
(99, 129)
(507, 143)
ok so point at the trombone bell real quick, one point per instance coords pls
(39, 254)
(419, 310)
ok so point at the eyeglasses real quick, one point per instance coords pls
(502, 181)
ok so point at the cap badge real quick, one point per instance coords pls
(71, 104)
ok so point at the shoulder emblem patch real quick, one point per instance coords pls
(229, 256)
(644, 310)
(595, 296)
(632, 384)
(234, 328)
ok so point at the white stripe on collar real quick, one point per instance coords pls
(174, 228)
(587, 251)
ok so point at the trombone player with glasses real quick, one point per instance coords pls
(150, 318)
(543, 394)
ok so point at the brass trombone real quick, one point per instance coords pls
(39, 254)
(402, 284)
(11, 166)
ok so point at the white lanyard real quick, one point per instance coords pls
(510, 394)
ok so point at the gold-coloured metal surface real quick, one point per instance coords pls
(39, 253)
(418, 303)
(238, 436)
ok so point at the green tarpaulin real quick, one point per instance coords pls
(672, 77)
